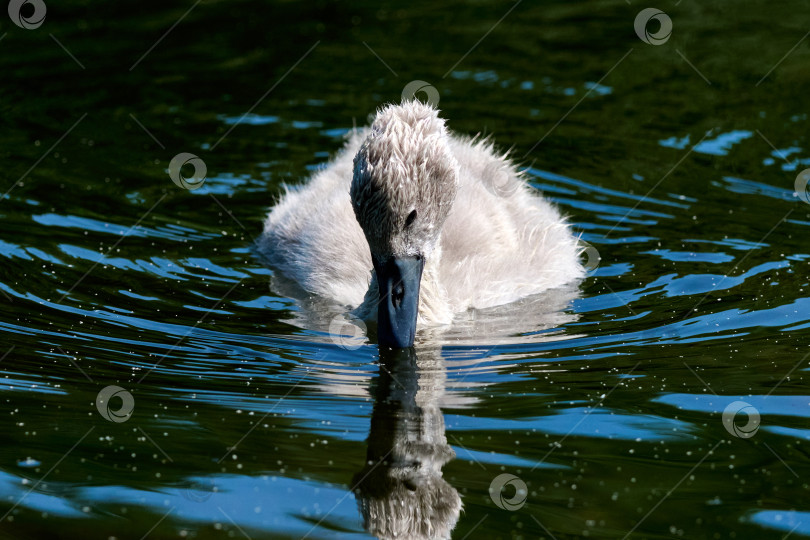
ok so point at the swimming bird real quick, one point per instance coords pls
(410, 224)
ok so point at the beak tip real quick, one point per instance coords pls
(395, 340)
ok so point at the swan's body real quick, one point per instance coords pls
(485, 238)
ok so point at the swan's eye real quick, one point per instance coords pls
(410, 219)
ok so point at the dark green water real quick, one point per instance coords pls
(677, 162)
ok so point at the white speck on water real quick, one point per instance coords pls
(29, 463)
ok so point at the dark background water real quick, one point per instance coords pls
(675, 161)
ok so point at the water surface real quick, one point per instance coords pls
(676, 162)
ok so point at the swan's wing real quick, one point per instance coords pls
(502, 240)
(312, 236)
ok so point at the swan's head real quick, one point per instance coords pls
(405, 181)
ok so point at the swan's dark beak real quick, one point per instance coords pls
(399, 279)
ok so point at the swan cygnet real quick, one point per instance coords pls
(410, 224)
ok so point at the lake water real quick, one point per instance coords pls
(158, 381)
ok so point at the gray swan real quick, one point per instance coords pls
(410, 224)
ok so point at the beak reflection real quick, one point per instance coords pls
(400, 489)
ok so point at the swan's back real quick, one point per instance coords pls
(312, 236)
(501, 241)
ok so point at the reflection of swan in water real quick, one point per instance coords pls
(400, 490)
